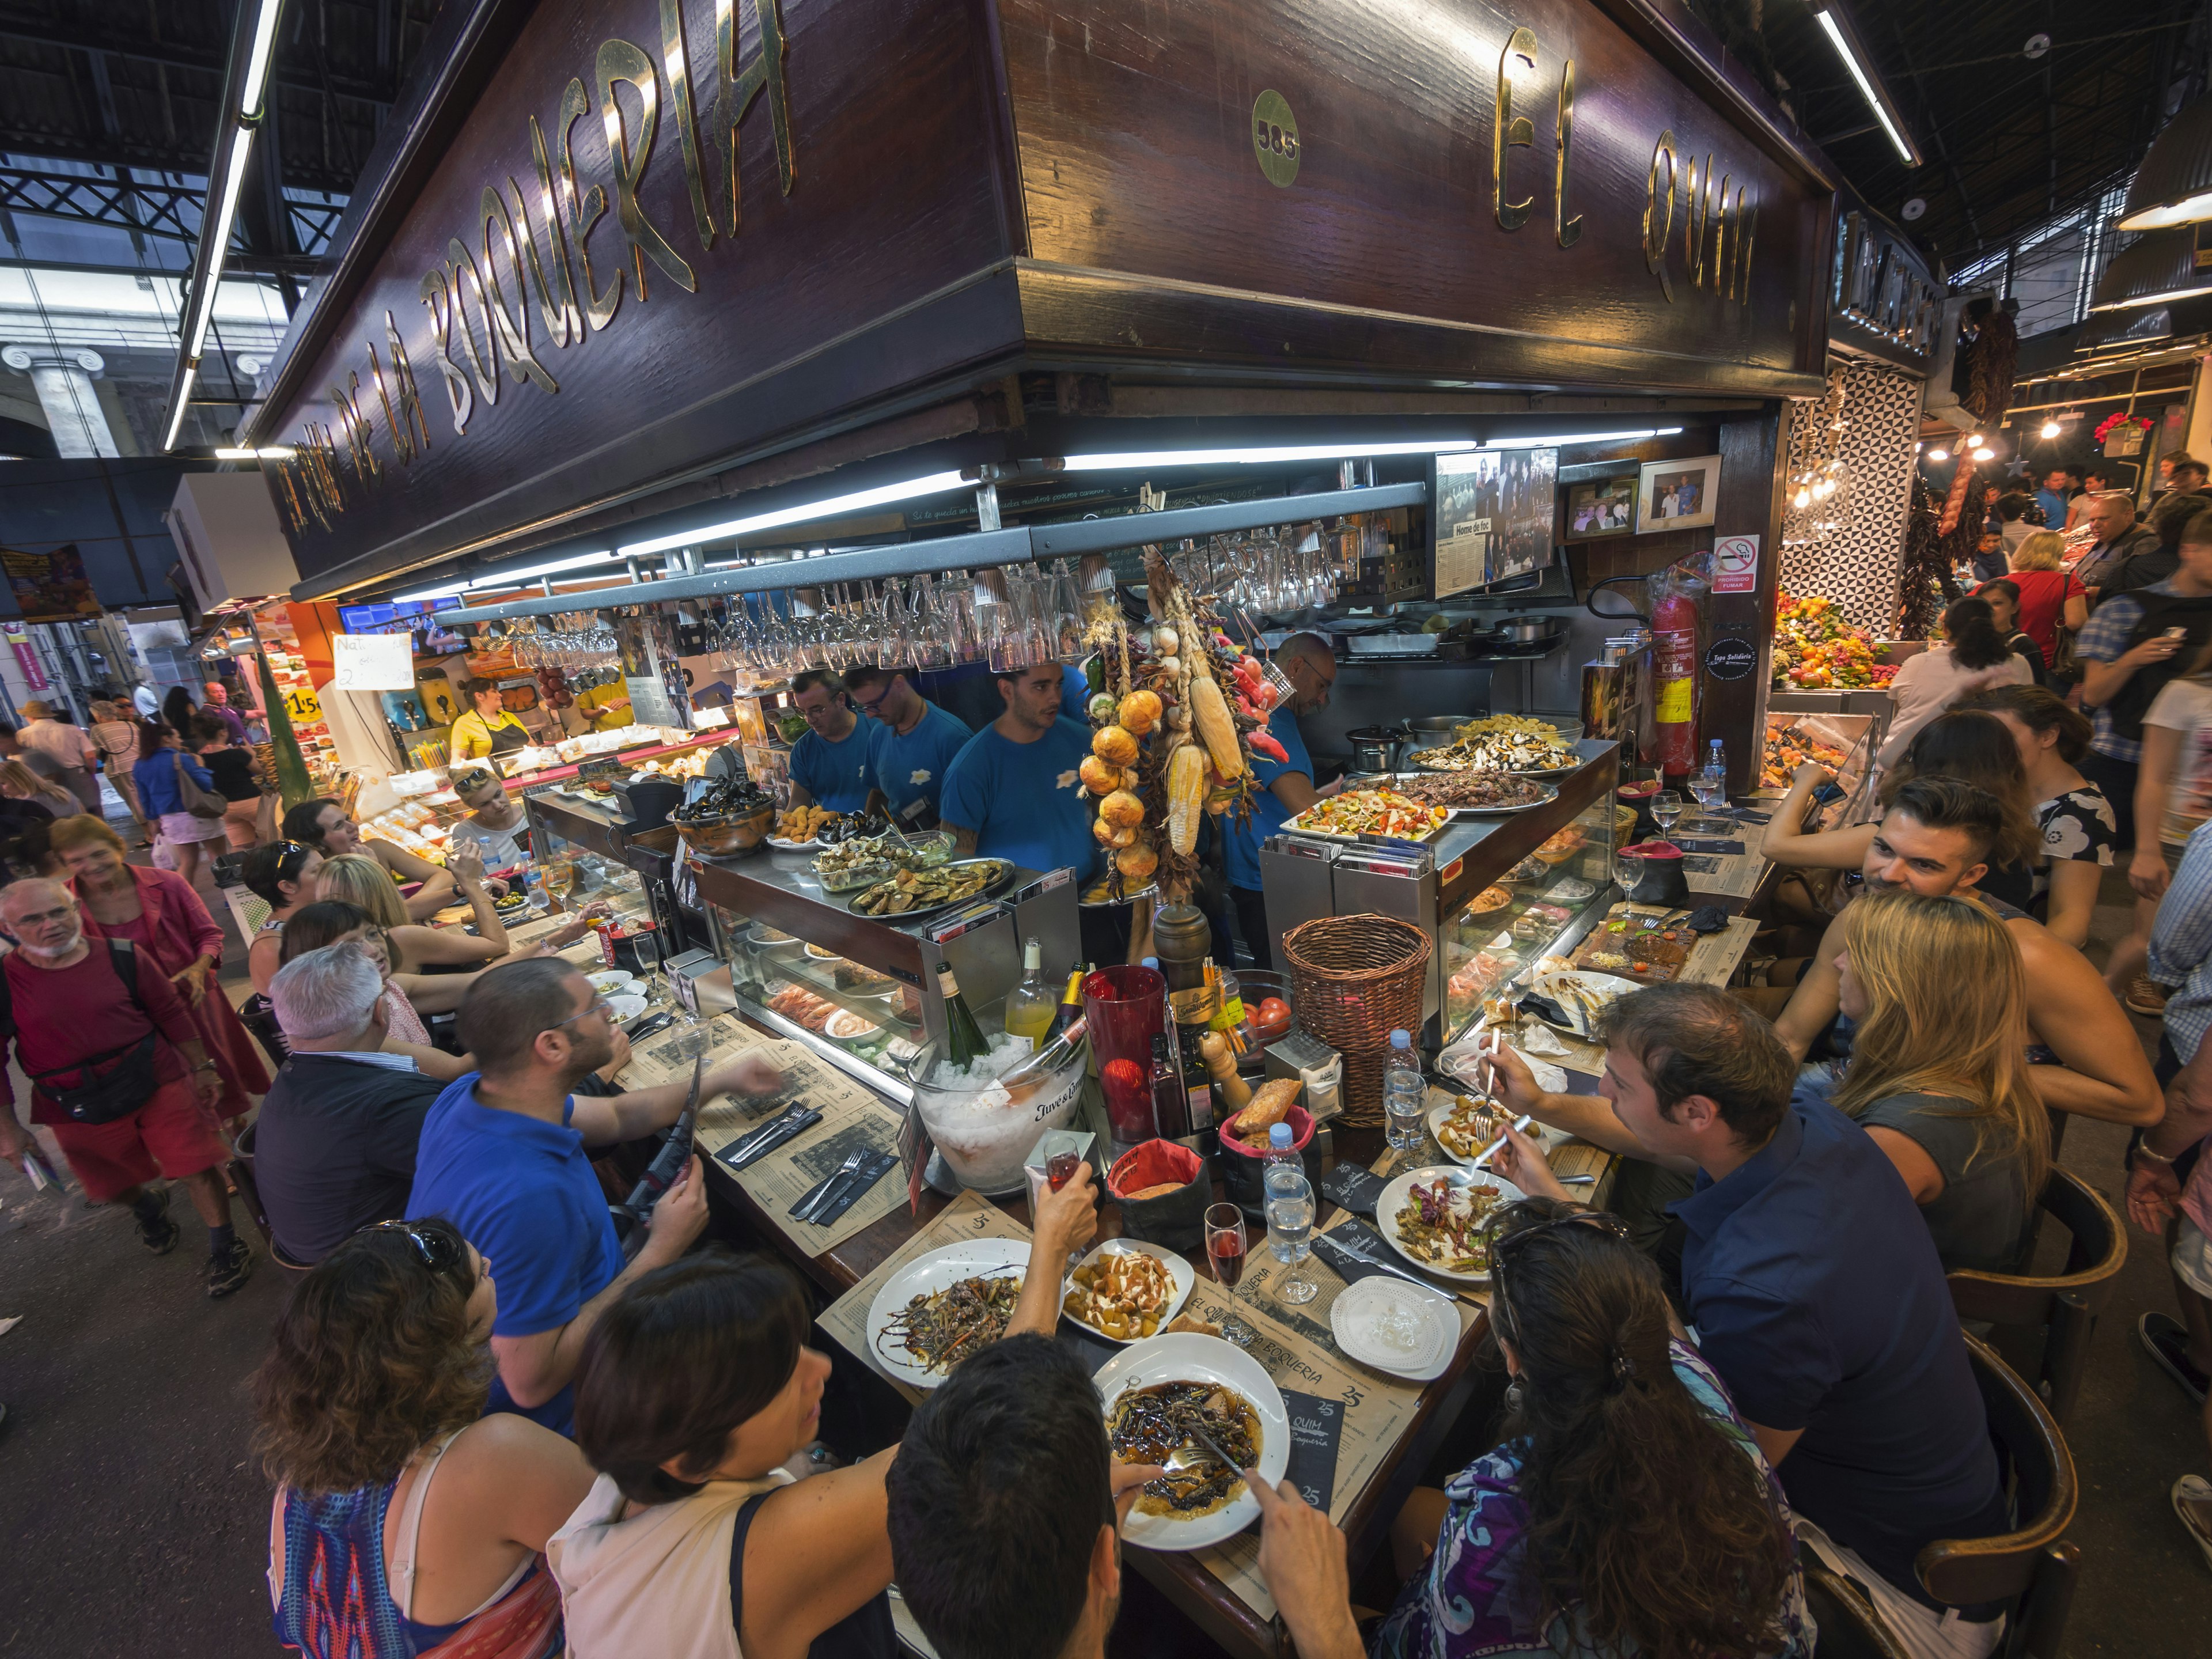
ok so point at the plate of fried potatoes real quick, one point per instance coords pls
(1127, 1290)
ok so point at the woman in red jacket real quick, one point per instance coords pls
(158, 911)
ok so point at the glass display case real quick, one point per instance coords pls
(1494, 893)
(860, 990)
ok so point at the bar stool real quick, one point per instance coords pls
(2031, 1569)
(2066, 1304)
(1848, 1625)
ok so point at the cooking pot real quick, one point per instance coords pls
(1378, 748)
(1528, 629)
(1435, 731)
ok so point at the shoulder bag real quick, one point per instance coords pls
(111, 1084)
(197, 801)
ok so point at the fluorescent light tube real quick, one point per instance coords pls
(530, 572)
(257, 61)
(1114, 461)
(1558, 439)
(184, 402)
(450, 590)
(1844, 50)
(277, 453)
(241, 149)
(935, 483)
(2154, 299)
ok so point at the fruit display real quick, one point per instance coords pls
(1174, 729)
(1815, 649)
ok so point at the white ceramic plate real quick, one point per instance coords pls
(612, 981)
(1408, 1330)
(1543, 1135)
(1584, 995)
(1394, 1198)
(937, 1270)
(1178, 1269)
(1188, 1357)
(624, 1007)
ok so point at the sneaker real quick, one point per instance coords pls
(230, 1270)
(156, 1231)
(2168, 1343)
(2146, 996)
(2192, 1502)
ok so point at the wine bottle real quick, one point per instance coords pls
(964, 1038)
(1032, 1008)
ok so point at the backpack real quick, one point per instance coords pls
(129, 1082)
(2160, 611)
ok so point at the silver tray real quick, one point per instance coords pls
(1545, 800)
(997, 884)
(1293, 828)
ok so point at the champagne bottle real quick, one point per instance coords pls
(1071, 1005)
(964, 1038)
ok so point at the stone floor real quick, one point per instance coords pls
(132, 1517)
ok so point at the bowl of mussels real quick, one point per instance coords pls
(727, 816)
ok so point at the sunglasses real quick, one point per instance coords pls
(440, 1252)
(1502, 1245)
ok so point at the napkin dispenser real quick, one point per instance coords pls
(648, 802)
(701, 980)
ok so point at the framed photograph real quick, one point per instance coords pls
(1494, 514)
(1677, 494)
(1600, 508)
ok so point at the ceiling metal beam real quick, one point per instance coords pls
(182, 157)
(67, 36)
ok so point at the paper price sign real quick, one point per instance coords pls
(303, 705)
(1735, 564)
(373, 662)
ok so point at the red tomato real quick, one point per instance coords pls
(1275, 1010)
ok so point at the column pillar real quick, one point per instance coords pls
(63, 379)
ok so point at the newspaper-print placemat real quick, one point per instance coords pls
(1734, 875)
(969, 1216)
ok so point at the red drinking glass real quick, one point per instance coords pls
(1126, 1007)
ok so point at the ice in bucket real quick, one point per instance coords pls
(983, 1128)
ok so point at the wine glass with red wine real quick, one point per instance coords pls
(1224, 1249)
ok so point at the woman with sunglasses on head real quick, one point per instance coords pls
(1626, 1510)
(356, 878)
(281, 875)
(406, 1523)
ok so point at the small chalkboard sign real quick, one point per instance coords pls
(1316, 1432)
(1352, 1188)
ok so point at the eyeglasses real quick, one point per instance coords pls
(597, 1005)
(868, 705)
(440, 1252)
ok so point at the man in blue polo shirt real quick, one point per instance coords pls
(911, 741)
(1286, 787)
(1812, 1284)
(502, 1157)
(829, 761)
(1014, 791)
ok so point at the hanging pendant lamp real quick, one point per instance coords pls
(2159, 267)
(2173, 186)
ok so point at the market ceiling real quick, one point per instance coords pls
(2008, 141)
(132, 87)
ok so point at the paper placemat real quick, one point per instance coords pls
(846, 1320)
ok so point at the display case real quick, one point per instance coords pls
(1495, 893)
(862, 991)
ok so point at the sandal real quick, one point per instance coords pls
(2192, 1502)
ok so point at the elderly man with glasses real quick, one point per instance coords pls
(1286, 785)
(502, 1157)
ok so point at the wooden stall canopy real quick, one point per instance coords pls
(618, 243)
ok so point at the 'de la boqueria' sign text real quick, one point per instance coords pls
(668, 234)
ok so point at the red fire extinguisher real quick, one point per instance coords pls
(1674, 677)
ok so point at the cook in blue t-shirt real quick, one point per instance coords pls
(834, 773)
(1241, 846)
(1025, 801)
(522, 1191)
(911, 765)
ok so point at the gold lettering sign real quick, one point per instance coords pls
(1697, 220)
(619, 62)
(511, 329)
(585, 210)
(483, 366)
(1568, 231)
(556, 294)
(675, 58)
(1658, 227)
(1508, 130)
(355, 424)
(410, 431)
(437, 299)
(739, 89)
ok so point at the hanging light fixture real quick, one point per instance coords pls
(2161, 266)
(2173, 186)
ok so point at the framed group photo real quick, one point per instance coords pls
(1677, 494)
(1600, 508)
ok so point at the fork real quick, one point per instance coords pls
(1186, 1457)
(824, 1193)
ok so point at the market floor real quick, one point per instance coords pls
(135, 1520)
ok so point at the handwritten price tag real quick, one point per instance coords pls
(303, 705)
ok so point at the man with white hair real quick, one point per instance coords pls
(217, 709)
(334, 1146)
(118, 1073)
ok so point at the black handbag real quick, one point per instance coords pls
(111, 1084)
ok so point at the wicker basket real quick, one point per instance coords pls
(1354, 980)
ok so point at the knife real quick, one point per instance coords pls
(751, 1148)
(1361, 1256)
(845, 1189)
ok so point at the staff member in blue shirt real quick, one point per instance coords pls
(911, 742)
(502, 1157)
(1015, 791)
(829, 763)
(1286, 787)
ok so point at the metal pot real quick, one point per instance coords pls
(1376, 748)
(1435, 731)
(1528, 629)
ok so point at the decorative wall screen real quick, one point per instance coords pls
(1857, 566)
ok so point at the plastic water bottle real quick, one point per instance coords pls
(533, 881)
(1290, 1200)
(1404, 1095)
(1710, 785)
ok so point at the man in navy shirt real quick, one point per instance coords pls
(829, 761)
(1014, 791)
(1811, 1282)
(1286, 787)
(911, 741)
(502, 1157)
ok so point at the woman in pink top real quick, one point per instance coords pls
(158, 911)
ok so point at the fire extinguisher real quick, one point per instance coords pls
(1674, 681)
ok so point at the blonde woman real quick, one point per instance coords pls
(19, 783)
(357, 879)
(1937, 1001)
(2049, 596)
(115, 733)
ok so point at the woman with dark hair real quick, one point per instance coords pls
(2079, 832)
(1626, 1510)
(281, 875)
(165, 759)
(696, 1390)
(406, 1522)
(2003, 597)
(1974, 655)
(178, 711)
